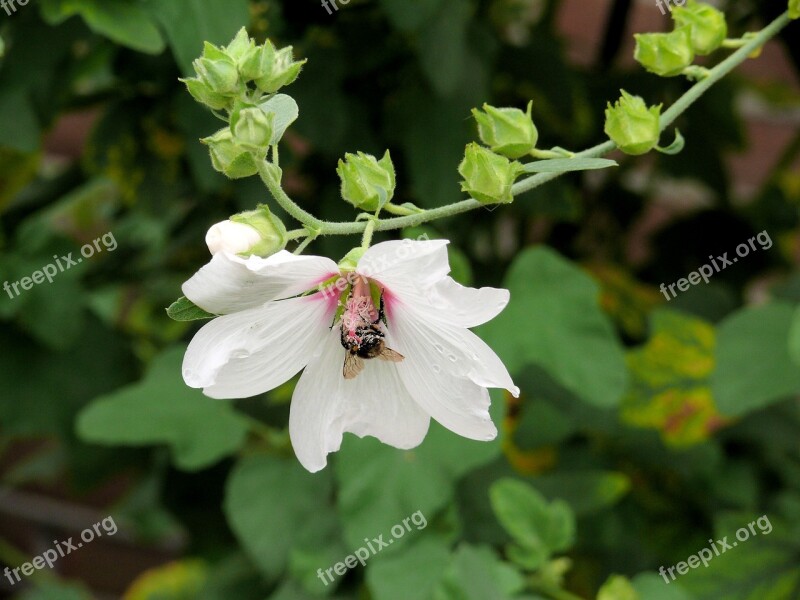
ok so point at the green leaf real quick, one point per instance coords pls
(184, 309)
(794, 337)
(55, 590)
(123, 21)
(380, 485)
(564, 330)
(18, 121)
(564, 165)
(412, 574)
(540, 529)
(764, 566)
(653, 587)
(275, 507)
(754, 368)
(286, 112)
(188, 23)
(163, 410)
(618, 587)
(476, 573)
(585, 491)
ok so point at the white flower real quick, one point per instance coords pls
(229, 236)
(269, 332)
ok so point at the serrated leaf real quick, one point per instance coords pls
(184, 309)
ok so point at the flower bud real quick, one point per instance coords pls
(203, 94)
(631, 125)
(240, 47)
(367, 183)
(271, 68)
(256, 232)
(252, 127)
(217, 70)
(488, 177)
(665, 54)
(507, 131)
(794, 9)
(706, 23)
(229, 157)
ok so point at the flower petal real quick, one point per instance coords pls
(406, 264)
(254, 351)
(458, 351)
(325, 405)
(230, 283)
(454, 400)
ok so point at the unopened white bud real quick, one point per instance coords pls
(232, 237)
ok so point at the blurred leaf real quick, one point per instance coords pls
(538, 528)
(764, 566)
(124, 21)
(55, 590)
(412, 574)
(286, 112)
(410, 16)
(18, 122)
(274, 507)
(162, 409)
(653, 587)
(669, 388)
(476, 573)
(179, 580)
(565, 331)
(618, 587)
(585, 491)
(188, 23)
(442, 45)
(379, 485)
(754, 368)
(626, 300)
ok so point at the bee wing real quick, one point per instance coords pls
(390, 355)
(353, 365)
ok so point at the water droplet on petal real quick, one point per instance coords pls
(439, 348)
(452, 358)
(436, 369)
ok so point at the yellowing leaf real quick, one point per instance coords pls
(670, 389)
(174, 581)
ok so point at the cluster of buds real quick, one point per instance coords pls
(699, 30)
(367, 183)
(632, 125)
(226, 74)
(256, 232)
(242, 79)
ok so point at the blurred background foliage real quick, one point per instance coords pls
(645, 427)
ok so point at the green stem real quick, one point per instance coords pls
(667, 118)
(304, 244)
(295, 234)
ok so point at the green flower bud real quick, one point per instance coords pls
(665, 54)
(631, 125)
(794, 9)
(228, 157)
(240, 47)
(203, 94)
(707, 25)
(367, 183)
(217, 70)
(252, 127)
(271, 68)
(350, 260)
(507, 131)
(488, 177)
